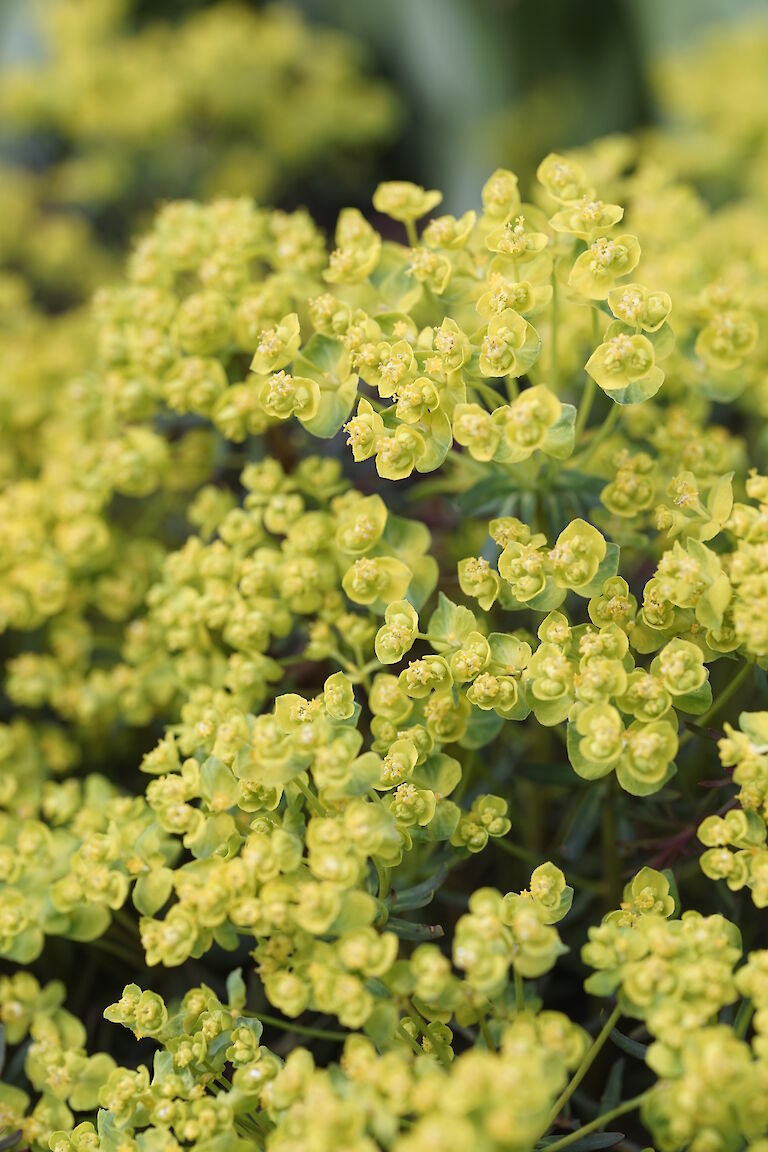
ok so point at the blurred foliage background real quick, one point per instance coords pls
(479, 83)
(492, 83)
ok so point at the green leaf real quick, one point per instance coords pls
(236, 991)
(323, 359)
(444, 822)
(406, 930)
(587, 769)
(695, 703)
(85, 1094)
(382, 1023)
(438, 436)
(550, 712)
(450, 623)
(152, 889)
(558, 775)
(673, 889)
(358, 910)
(579, 831)
(487, 496)
(483, 726)
(560, 437)
(637, 787)
(218, 786)
(663, 340)
(420, 894)
(424, 576)
(602, 983)
(609, 566)
(405, 538)
(88, 922)
(631, 1047)
(611, 1095)
(590, 1143)
(439, 773)
(335, 409)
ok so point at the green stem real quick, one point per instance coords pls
(599, 1122)
(127, 922)
(489, 394)
(114, 949)
(586, 1063)
(727, 693)
(347, 665)
(554, 368)
(413, 1044)
(612, 886)
(718, 704)
(383, 875)
(535, 858)
(298, 1029)
(590, 389)
(486, 1032)
(743, 1018)
(413, 236)
(312, 800)
(413, 1012)
(519, 993)
(600, 435)
(585, 407)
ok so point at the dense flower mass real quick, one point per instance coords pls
(422, 573)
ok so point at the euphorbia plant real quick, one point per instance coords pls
(485, 680)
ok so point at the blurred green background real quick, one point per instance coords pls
(483, 83)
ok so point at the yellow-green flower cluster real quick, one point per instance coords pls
(674, 974)
(736, 849)
(65, 873)
(315, 673)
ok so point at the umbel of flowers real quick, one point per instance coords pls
(355, 709)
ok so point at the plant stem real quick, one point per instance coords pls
(413, 236)
(486, 1033)
(743, 1018)
(489, 394)
(414, 1013)
(598, 1122)
(383, 875)
(600, 434)
(413, 1044)
(554, 367)
(590, 389)
(112, 948)
(312, 800)
(530, 857)
(582, 416)
(610, 848)
(347, 665)
(729, 691)
(127, 922)
(586, 1063)
(519, 993)
(298, 1029)
(726, 694)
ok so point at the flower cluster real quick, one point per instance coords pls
(296, 527)
(736, 849)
